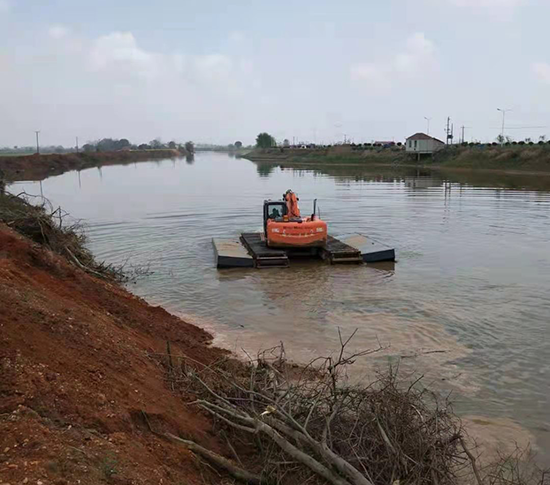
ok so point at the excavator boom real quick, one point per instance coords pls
(292, 204)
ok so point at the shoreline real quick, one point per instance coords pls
(319, 166)
(521, 159)
(39, 167)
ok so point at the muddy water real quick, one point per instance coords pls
(467, 304)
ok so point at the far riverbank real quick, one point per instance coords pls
(521, 158)
(40, 167)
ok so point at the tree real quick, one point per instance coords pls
(190, 147)
(172, 145)
(122, 143)
(156, 144)
(88, 147)
(144, 146)
(265, 140)
(105, 145)
(238, 144)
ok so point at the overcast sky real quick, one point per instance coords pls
(219, 71)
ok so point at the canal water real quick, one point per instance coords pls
(466, 305)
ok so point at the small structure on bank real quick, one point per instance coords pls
(423, 144)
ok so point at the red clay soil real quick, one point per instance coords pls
(39, 167)
(79, 366)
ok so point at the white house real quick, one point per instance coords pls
(421, 143)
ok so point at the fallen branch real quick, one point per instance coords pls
(472, 459)
(218, 460)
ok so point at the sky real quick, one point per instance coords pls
(214, 71)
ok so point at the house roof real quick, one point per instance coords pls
(423, 136)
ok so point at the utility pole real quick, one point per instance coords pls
(428, 120)
(462, 138)
(77, 144)
(448, 131)
(503, 111)
(37, 143)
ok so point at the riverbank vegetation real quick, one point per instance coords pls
(102, 145)
(53, 228)
(521, 156)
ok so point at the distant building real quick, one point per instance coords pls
(421, 143)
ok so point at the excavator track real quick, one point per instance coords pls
(337, 252)
(264, 256)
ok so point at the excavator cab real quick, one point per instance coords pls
(274, 210)
(285, 227)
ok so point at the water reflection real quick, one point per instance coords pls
(265, 169)
(416, 177)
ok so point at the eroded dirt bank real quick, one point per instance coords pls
(79, 367)
(39, 167)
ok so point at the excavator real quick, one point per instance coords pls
(284, 227)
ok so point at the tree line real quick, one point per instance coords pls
(111, 144)
(102, 145)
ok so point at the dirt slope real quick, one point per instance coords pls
(78, 367)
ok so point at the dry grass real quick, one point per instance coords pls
(54, 229)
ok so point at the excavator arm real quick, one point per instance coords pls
(292, 204)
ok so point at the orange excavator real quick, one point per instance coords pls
(284, 227)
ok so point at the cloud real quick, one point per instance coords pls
(418, 58)
(118, 56)
(58, 31)
(542, 71)
(4, 6)
(121, 87)
(119, 51)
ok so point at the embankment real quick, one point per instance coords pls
(524, 158)
(328, 156)
(39, 167)
(80, 368)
